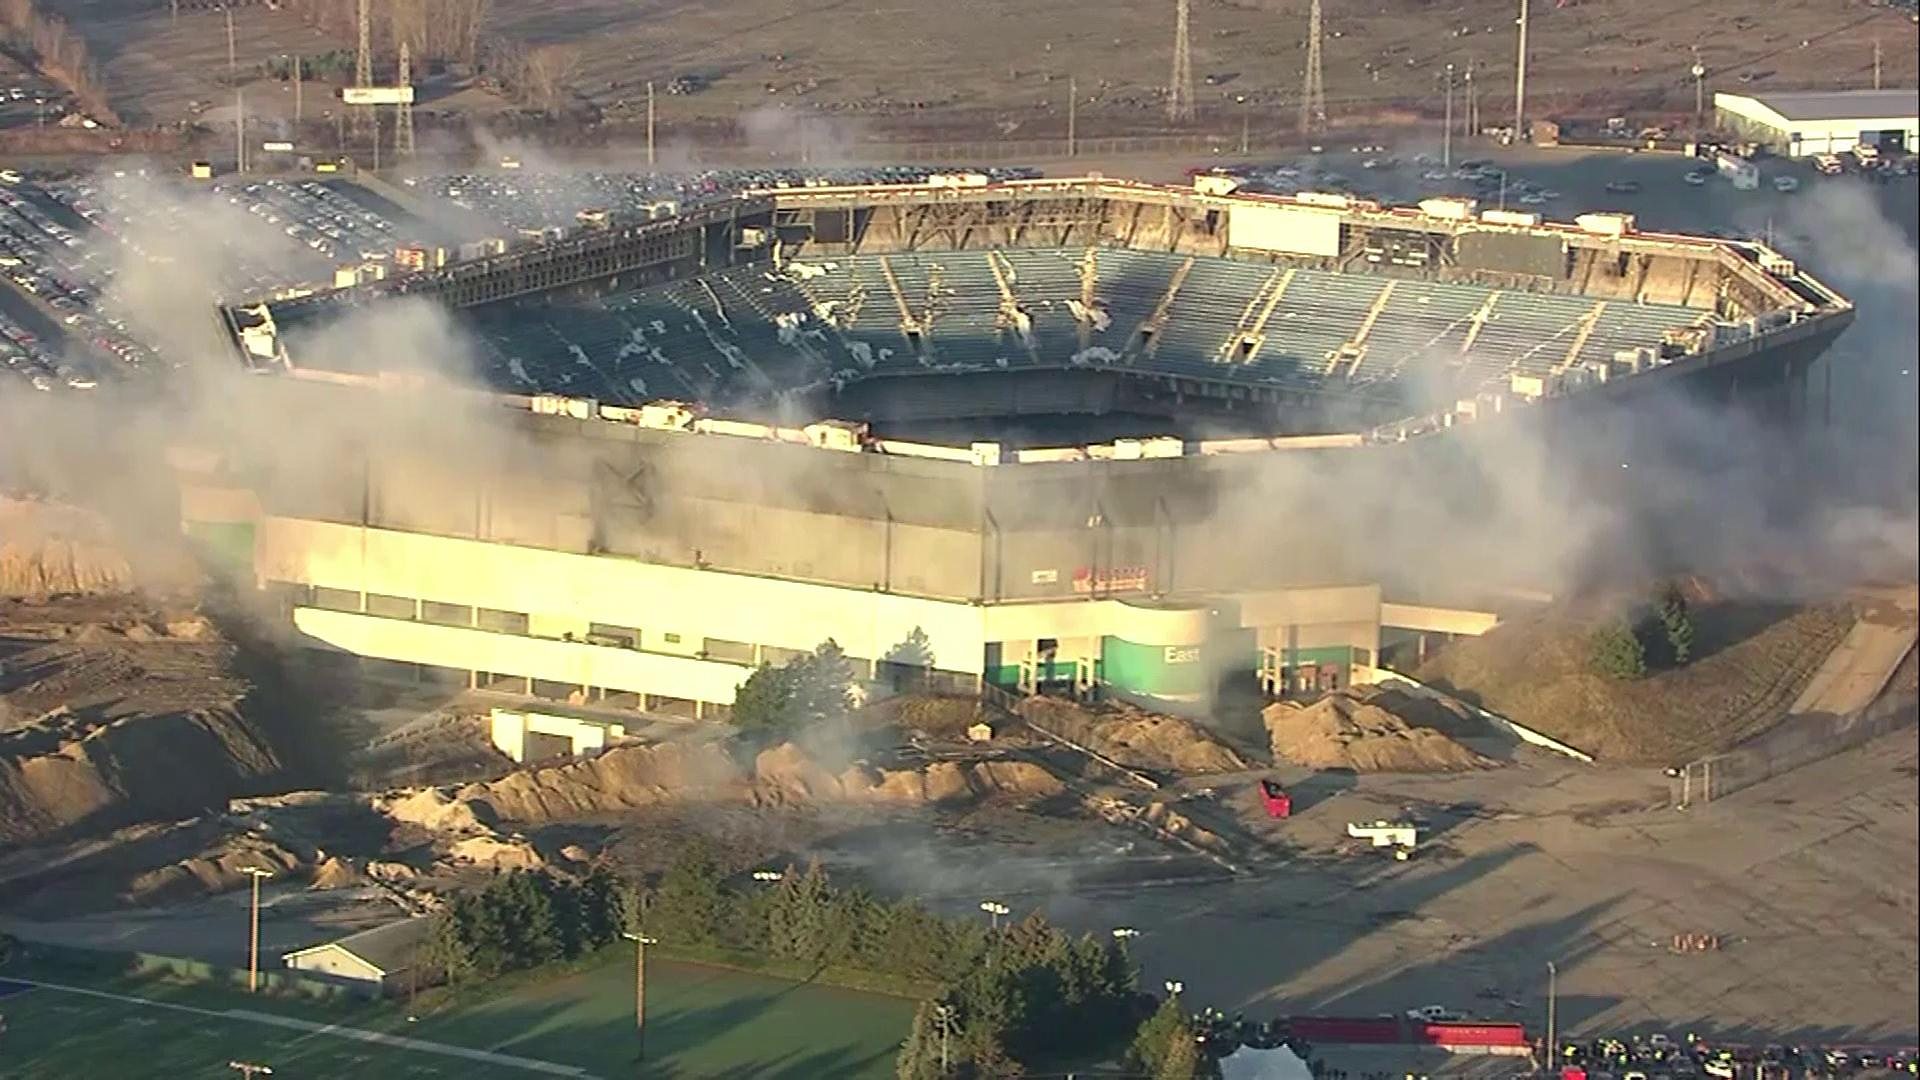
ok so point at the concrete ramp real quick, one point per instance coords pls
(1861, 665)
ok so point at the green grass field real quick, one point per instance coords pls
(702, 1022)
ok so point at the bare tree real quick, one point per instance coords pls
(550, 70)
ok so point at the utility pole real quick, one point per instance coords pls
(239, 130)
(230, 62)
(1519, 79)
(1180, 87)
(1553, 994)
(1073, 117)
(1313, 96)
(1446, 142)
(1245, 121)
(1699, 73)
(253, 930)
(651, 159)
(640, 943)
(1876, 63)
(297, 79)
(1472, 122)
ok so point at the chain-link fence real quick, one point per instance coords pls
(1802, 740)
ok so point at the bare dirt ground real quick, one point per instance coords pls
(1001, 67)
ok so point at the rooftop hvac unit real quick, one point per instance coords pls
(985, 453)
(1449, 209)
(1776, 264)
(1520, 218)
(836, 435)
(1323, 198)
(667, 415)
(1605, 224)
(557, 405)
(1162, 446)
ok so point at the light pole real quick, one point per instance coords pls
(768, 876)
(640, 943)
(994, 909)
(1520, 80)
(253, 928)
(1245, 121)
(1446, 143)
(1073, 118)
(1553, 993)
(1174, 987)
(1699, 72)
(943, 1016)
(249, 1069)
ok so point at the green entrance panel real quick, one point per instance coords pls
(1174, 672)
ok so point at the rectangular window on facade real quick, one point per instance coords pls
(335, 599)
(670, 638)
(502, 622)
(736, 652)
(390, 607)
(779, 657)
(618, 637)
(445, 614)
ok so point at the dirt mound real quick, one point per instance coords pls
(218, 870)
(337, 873)
(52, 549)
(1134, 737)
(620, 779)
(931, 714)
(431, 809)
(1357, 730)
(1751, 660)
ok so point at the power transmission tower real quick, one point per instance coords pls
(366, 120)
(1313, 97)
(403, 134)
(1180, 87)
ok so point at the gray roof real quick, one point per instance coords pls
(1844, 104)
(389, 946)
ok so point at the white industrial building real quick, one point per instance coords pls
(1798, 124)
(374, 962)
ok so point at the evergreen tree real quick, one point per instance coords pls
(692, 904)
(1182, 1059)
(1676, 624)
(1615, 651)
(764, 703)
(1157, 1035)
(822, 686)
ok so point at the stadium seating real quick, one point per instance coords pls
(757, 330)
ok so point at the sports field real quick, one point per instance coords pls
(702, 1022)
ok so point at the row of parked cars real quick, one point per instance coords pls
(316, 217)
(1661, 1057)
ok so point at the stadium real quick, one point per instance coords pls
(838, 412)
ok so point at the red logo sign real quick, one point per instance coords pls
(1090, 579)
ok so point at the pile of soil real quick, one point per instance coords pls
(1134, 737)
(1360, 729)
(217, 870)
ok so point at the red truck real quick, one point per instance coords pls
(1279, 804)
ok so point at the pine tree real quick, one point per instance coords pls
(1157, 1036)
(1615, 651)
(1182, 1059)
(764, 703)
(1676, 621)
